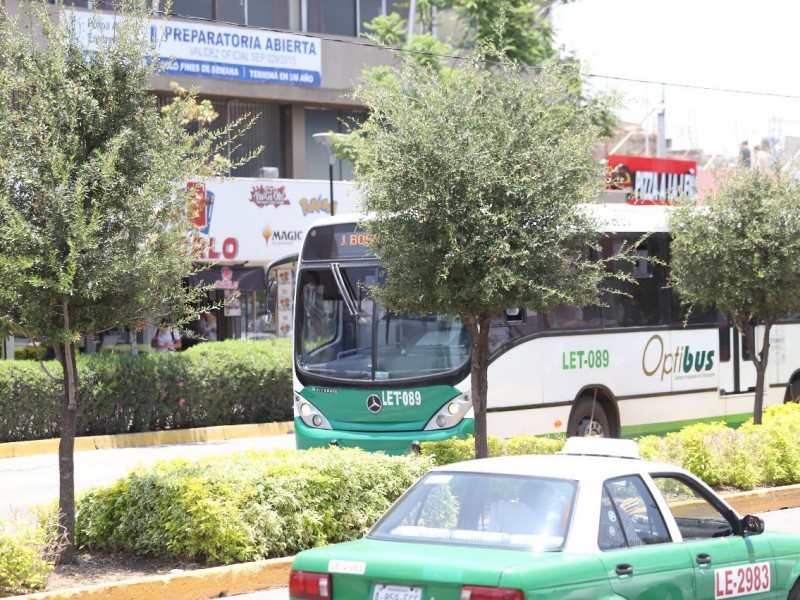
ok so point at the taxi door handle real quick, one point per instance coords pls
(703, 559)
(624, 570)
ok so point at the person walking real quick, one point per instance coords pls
(166, 339)
(744, 156)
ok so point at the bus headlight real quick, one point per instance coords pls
(309, 413)
(452, 413)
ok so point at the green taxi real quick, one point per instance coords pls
(594, 522)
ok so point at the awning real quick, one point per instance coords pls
(245, 279)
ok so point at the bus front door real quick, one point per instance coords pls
(737, 374)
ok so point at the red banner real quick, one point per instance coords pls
(649, 180)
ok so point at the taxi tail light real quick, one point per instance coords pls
(479, 592)
(310, 586)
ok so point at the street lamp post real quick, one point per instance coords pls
(326, 141)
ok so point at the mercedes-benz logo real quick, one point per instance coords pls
(374, 403)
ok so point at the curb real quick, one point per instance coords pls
(764, 500)
(155, 438)
(201, 584)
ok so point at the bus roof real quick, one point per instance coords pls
(614, 217)
(630, 218)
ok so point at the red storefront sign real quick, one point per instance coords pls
(649, 180)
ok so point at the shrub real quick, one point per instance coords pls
(246, 506)
(23, 567)
(221, 383)
(455, 450)
(744, 458)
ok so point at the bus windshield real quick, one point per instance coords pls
(343, 333)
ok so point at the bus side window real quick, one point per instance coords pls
(513, 324)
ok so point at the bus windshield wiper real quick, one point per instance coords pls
(349, 302)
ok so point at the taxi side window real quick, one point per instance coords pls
(696, 516)
(629, 515)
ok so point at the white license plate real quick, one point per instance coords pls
(742, 581)
(396, 592)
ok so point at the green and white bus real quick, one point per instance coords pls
(631, 365)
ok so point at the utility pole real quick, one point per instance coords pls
(662, 128)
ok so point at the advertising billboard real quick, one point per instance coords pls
(219, 51)
(648, 180)
(256, 221)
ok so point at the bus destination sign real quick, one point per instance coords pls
(330, 242)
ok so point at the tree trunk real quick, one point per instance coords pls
(760, 362)
(479, 326)
(66, 448)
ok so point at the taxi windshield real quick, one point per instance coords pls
(483, 510)
(343, 333)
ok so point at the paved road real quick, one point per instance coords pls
(30, 480)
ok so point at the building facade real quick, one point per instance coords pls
(291, 63)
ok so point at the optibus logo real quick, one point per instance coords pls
(683, 360)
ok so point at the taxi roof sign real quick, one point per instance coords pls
(597, 446)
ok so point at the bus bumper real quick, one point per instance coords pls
(390, 442)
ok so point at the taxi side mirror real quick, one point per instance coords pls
(752, 525)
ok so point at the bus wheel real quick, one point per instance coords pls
(585, 421)
(793, 391)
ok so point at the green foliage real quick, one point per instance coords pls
(748, 230)
(92, 218)
(259, 504)
(480, 173)
(245, 507)
(740, 252)
(748, 457)
(520, 30)
(387, 30)
(220, 383)
(456, 450)
(23, 568)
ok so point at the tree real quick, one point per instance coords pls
(521, 29)
(740, 253)
(93, 222)
(518, 31)
(473, 181)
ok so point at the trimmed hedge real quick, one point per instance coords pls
(751, 456)
(455, 450)
(220, 383)
(247, 506)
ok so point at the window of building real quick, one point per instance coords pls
(281, 14)
(369, 9)
(232, 11)
(75, 3)
(325, 16)
(266, 132)
(320, 121)
(201, 9)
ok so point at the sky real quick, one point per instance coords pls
(751, 46)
